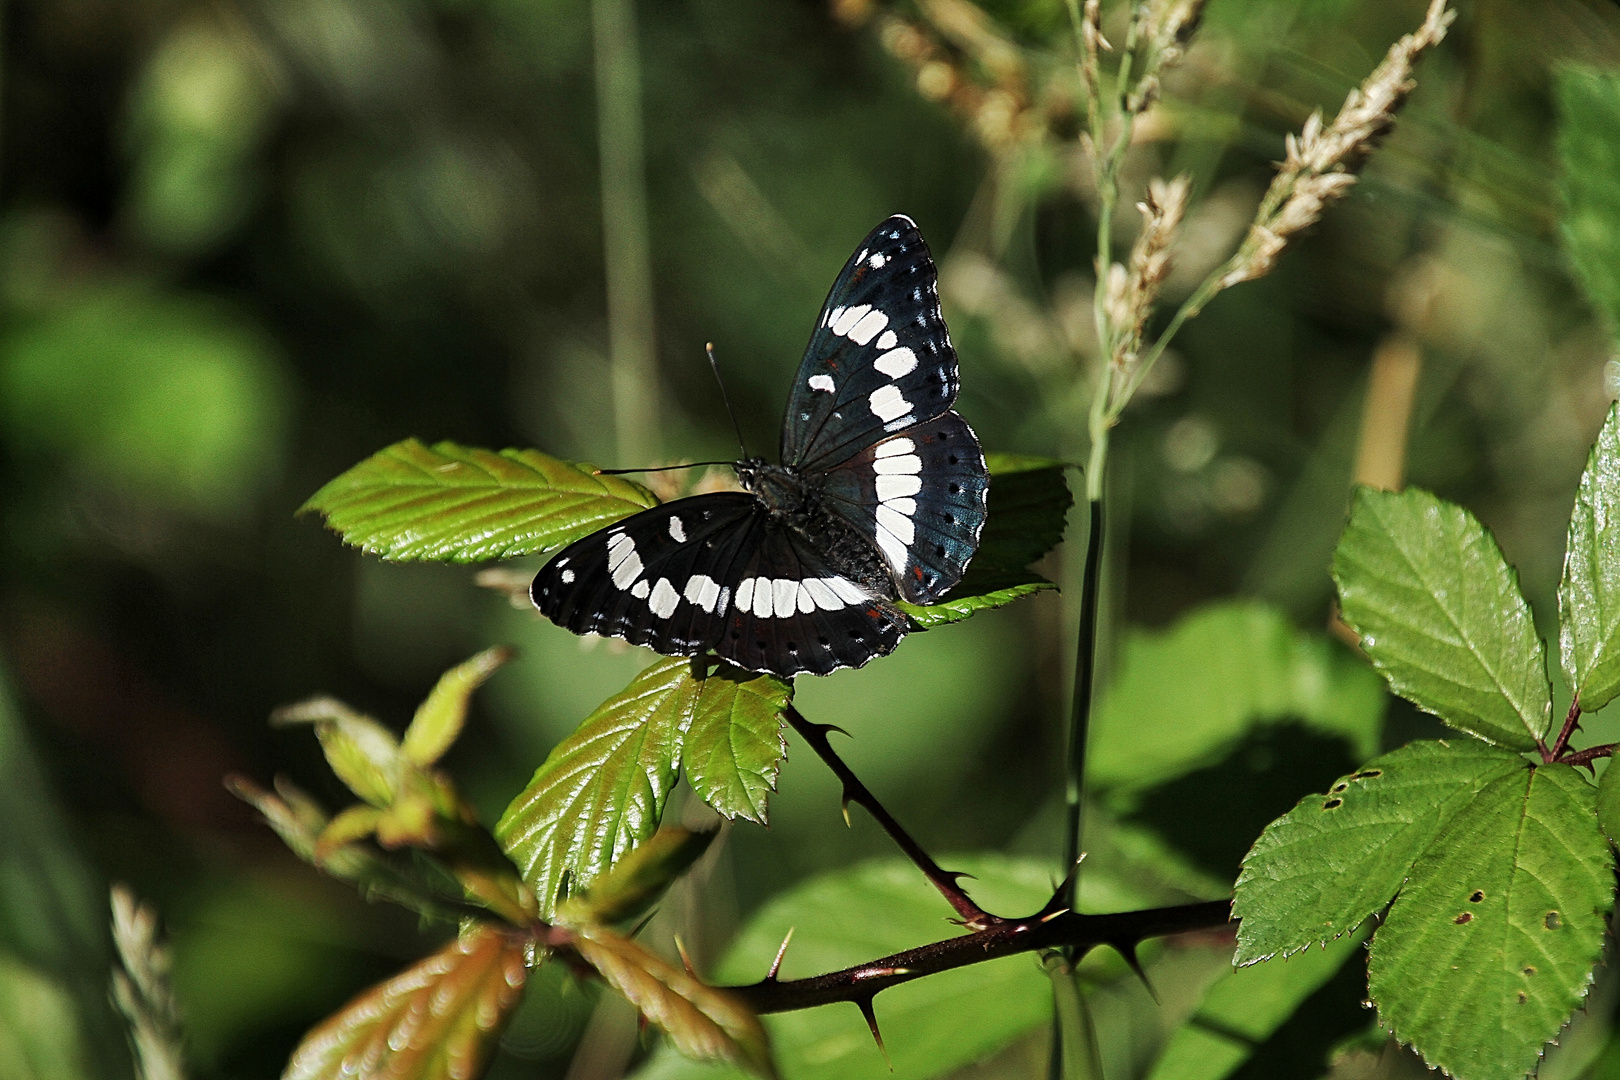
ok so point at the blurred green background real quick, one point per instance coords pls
(246, 243)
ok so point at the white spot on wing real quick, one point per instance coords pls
(567, 577)
(807, 603)
(847, 590)
(762, 598)
(887, 403)
(888, 340)
(877, 262)
(848, 317)
(890, 487)
(677, 531)
(664, 598)
(896, 362)
(745, 594)
(822, 382)
(702, 590)
(906, 464)
(896, 446)
(892, 548)
(641, 589)
(820, 591)
(786, 597)
(623, 561)
(867, 329)
(896, 523)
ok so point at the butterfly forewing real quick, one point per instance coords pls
(920, 496)
(880, 359)
(663, 578)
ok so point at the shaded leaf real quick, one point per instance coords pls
(974, 596)
(41, 1036)
(1608, 804)
(1214, 677)
(1336, 859)
(636, 881)
(1589, 595)
(702, 1022)
(733, 748)
(1242, 1010)
(438, 719)
(1589, 150)
(1490, 946)
(440, 1018)
(460, 504)
(1440, 614)
(363, 753)
(601, 791)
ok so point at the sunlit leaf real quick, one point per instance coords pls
(1589, 150)
(636, 881)
(1440, 614)
(1589, 596)
(972, 597)
(460, 504)
(363, 753)
(1213, 678)
(438, 719)
(702, 1022)
(1336, 859)
(1490, 946)
(1244, 1008)
(733, 747)
(437, 1020)
(601, 791)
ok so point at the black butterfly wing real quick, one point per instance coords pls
(662, 578)
(880, 359)
(920, 496)
(793, 612)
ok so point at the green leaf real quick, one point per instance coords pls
(1490, 946)
(1608, 803)
(636, 881)
(363, 753)
(458, 504)
(1589, 595)
(931, 1026)
(1335, 860)
(440, 1018)
(1215, 676)
(438, 719)
(1243, 1009)
(734, 748)
(601, 791)
(1589, 150)
(703, 1023)
(1440, 614)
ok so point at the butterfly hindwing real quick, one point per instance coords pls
(880, 359)
(662, 578)
(920, 496)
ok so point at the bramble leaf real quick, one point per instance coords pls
(733, 747)
(439, 1018)
(438, 719)
(1589, 595)
(1589, 149)
(1335, 860)
(636, 881)
(1608, 804)
(363, 753)
(1489, 948)
(704, 1023)
(459, 504)
(1243, 1008)
(1440, 614)
(1215, 676)
(601, 791)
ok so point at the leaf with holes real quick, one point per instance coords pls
(601, 791)
(734, 748)
(1490, 946)
(440, 1018)
(1335, 860)
(1589, 595)
(1440, 614)
(459, 504)
(704, 1023)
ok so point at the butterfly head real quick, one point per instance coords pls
(779, 487)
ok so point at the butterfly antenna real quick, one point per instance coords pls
(714, 365)
(660, 468)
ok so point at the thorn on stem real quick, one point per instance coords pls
(776, 965)
(686, 961)
(844, 806)
(865, 1005)
(1128, 951)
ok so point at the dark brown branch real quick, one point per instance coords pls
(1045, 930)
(1085, 669)
(973, 916)
(1571, 722)
(1589, 755)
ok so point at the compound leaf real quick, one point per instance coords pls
(734, 747)
(1334, 860)
(1440, 614)
(1490, 946)
(459, 504)
(1589, 595)
(440, 1018)
(601, 791)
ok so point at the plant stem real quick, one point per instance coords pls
(1571, 721)
(1085, 667)
(1589, 755)
(1063, 929)
(973, 916)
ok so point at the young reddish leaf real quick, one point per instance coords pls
(457, 504)
(702, 1022)
(733, 747)
(438, 1020)
(439, 718)
(636, 881)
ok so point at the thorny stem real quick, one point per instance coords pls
(1572, 720)
(1085, 667)
(973, 916)
(1057, 929)
(1589, 755)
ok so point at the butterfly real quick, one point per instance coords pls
(880, 496)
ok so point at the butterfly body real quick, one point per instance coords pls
(879, 497)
